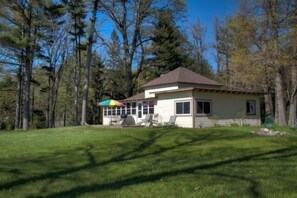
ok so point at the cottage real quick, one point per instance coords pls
(195, 100)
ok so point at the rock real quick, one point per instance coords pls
(267, 132)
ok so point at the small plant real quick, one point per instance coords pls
(214, 120)
(234, 124)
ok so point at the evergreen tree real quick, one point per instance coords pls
(167, 45)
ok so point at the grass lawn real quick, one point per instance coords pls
(147, 162)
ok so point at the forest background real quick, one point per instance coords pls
(58, 59)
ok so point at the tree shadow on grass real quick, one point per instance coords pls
(135, 151)
(152, 137)
(118, 184)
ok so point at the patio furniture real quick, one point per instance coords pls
(123, 120)
(147, 121)
(114, 122)
(171, 121)
(155, 120)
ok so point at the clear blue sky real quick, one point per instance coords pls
(206, 10)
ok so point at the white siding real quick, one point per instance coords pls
(150, 91)
(228, 109)
(166, 107)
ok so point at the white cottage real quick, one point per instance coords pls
(196, 101)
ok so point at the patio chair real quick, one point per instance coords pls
(155, 120)
(171, 121)
(147, 121)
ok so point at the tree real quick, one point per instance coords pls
(132, 19)
(88, 62)
(293, 57)
(167, 45)
(25, 17)
(197, 49)
(55, 51)
(77, 12)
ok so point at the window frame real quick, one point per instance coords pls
(203, 112)
(255, 107)
(182, 101)
(151, 107)
(133, 108)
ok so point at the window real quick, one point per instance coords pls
(251, 107)
(113, 111)
(133, 108)
(118, 110)
(139, 109)
(105, 111)
(145, 108)
(182, 108)
(128, 108)
(109, 111)
(151, 107)
(123, 109)
(203, 107)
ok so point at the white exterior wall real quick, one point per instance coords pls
(107, 119)
(227, 109)
(150, 91)
(165, 107)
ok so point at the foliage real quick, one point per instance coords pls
(7, 105)
(167, 46)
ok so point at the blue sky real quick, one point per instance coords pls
(206, 10)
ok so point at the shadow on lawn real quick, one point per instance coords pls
(156, 177)
(139, 145)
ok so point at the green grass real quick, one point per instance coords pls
(147, 162)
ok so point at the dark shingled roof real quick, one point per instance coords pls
(136, 97)
(182, 75)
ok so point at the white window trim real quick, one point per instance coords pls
(183, 101)
(204, 100)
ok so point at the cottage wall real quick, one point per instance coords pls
(227, 109)
(166, 107)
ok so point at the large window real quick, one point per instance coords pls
(251, 107)
(203, 107)
(182, 107)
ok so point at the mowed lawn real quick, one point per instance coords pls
(147, 162)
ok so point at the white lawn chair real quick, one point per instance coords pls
(147, 121)
(171, 121)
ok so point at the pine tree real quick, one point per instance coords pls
(167, 45)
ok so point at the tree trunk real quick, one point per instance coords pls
(293, 97)
(280, 103)
(76, 81)
(268, 102)
(26, 115)
(28, 70)
(17, 122)
(88, 64)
